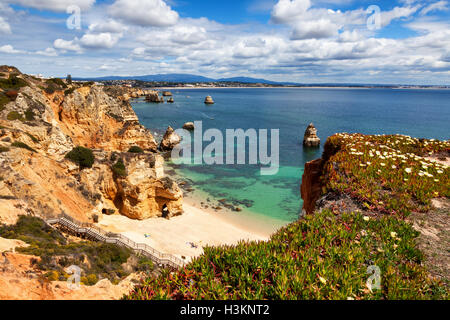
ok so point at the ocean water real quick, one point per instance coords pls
(418, 113)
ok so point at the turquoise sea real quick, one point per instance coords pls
(418, 113)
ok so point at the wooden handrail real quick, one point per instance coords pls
(119, 239)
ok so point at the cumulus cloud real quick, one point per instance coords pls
(99, 41)
(110, 26)
(4, 26)
(53, 5)
(66, 45)
(49, 52)
(9, 49)
(144, 12)
(288, 10)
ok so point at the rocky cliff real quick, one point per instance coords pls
(42, 120)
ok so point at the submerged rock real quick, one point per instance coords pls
(170, 140)
(170, 100)
(209, 100)
(311, 139)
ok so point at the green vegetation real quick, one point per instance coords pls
(14, 115)
(322, 256)
(97, 260)
(119, 169)
(56, 81)
(4, 100)
(29, 114)
(69, 91)
(33, 138)
(13, 82)
(136, 149)
(22, 145)
(84, 157)
(387, 173)
(4, 149)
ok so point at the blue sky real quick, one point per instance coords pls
(404, 41)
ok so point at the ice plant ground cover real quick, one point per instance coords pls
(388, 173)
(322, 256)
(327, 255)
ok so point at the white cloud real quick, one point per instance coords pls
(317, 29)
(110, 26)
(53, 5)
(49, 52)
(99, 41)
(437, 6)
(144, 12)
(288, 10)
(396, 13)
(9, 49)
(4, 26)
(66, 45)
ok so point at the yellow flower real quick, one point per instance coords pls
(323, 280)
(394, 234)
(366, 218)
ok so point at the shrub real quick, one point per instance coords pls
(119, 169)
(84, 157)
(29, 114)
(69, 91)
(4, 149)
(22, 145)
(4, 100)
(136, 149)
(14, 115)
(56, 81)
(13, 82)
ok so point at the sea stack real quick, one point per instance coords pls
(170, 140)
(209, 100)
(153, 96)
(167, 94)
(170, 100)
(311, 139)
(189, 126)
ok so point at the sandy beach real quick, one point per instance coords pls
(175, 236)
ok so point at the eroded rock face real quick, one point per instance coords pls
(311, 139)
(170, 140)
(143, 193)
(209, 100)
(38, 179)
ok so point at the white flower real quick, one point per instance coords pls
(394, 167)
(366, 218)
(394, 234)
(408, 170)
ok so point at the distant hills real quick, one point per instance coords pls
(184, 78)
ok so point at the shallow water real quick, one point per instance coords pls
(418, 113)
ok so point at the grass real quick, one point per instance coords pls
(387, 173)
(97, 260)
(84, 157)
(320, 257)
(22, 145)
(29, 114)
(4, 100)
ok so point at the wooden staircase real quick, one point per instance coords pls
(92, 232)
